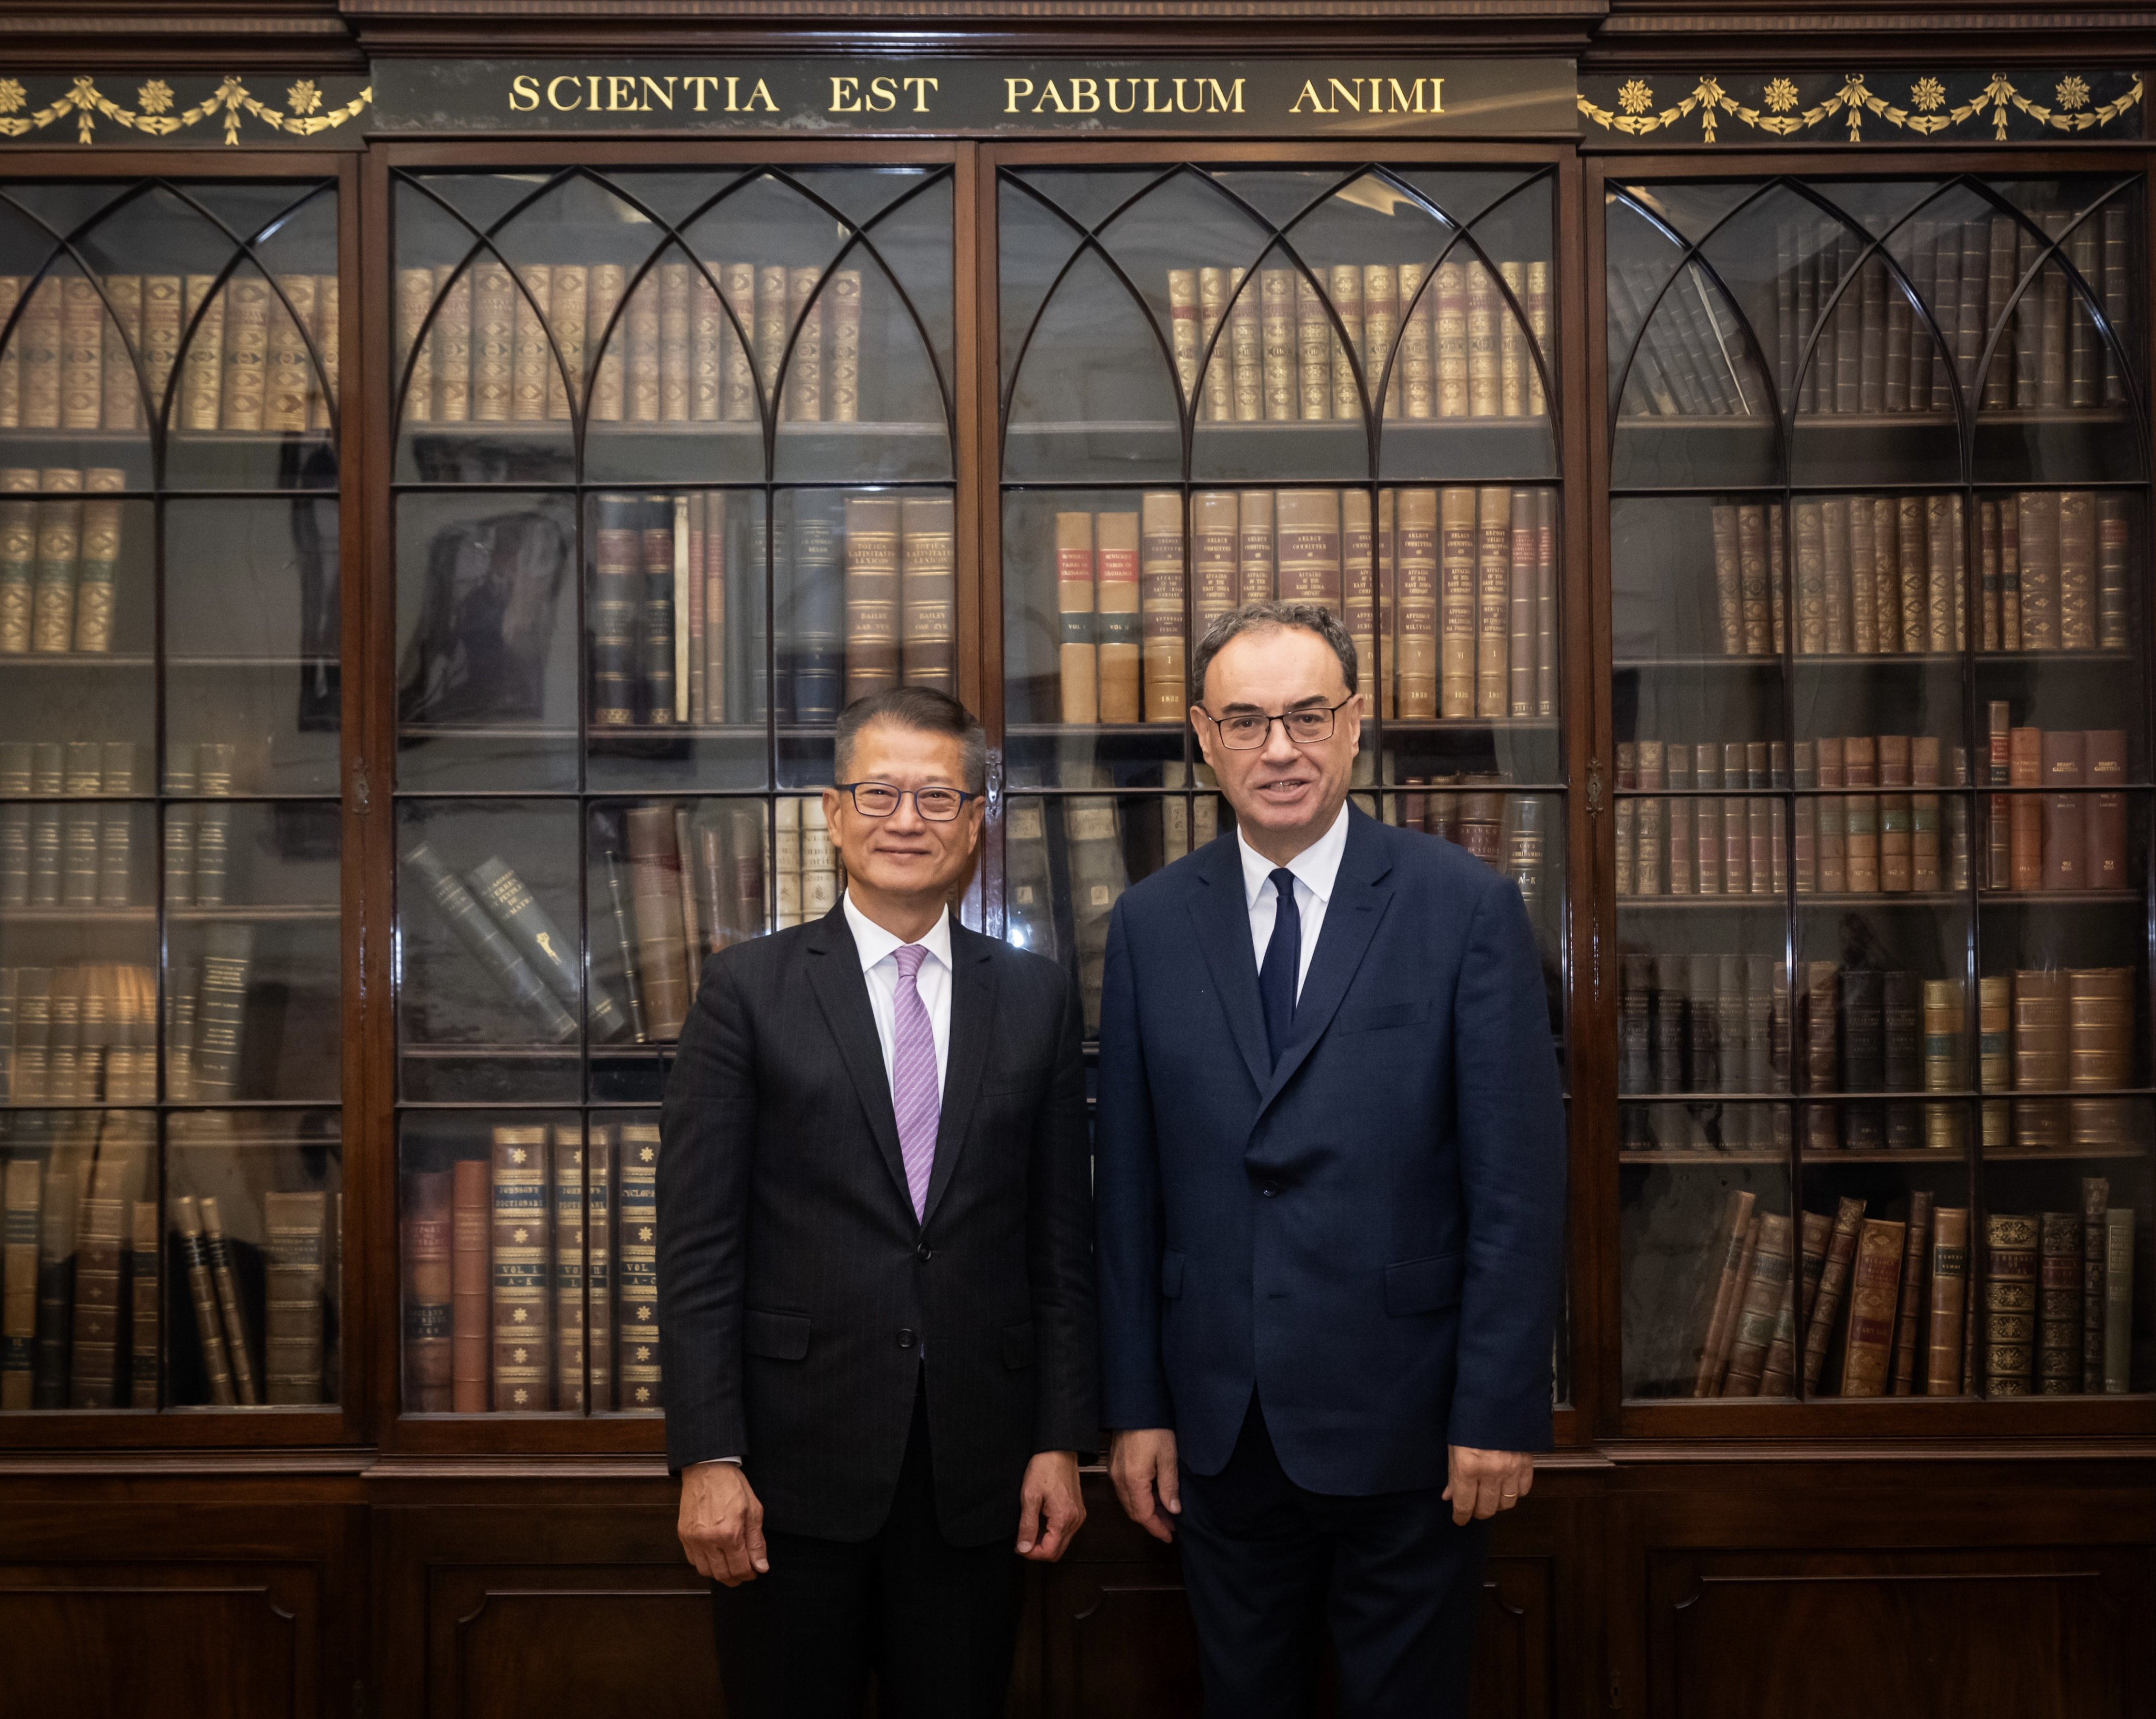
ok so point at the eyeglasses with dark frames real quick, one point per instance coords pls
(879, 800)
(1248, 731)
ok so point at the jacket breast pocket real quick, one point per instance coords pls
(1427, 1285)
(1018, 1346)
(1372, 1017)
(775, 1336)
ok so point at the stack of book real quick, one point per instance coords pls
(2061, 839)
(530, 1276)
(73, 362)
(505, 348)
(72, 767)
(2064, 1030)
(864, 585)
(60, 558)
(79, 1034)
(1450, 596)
(68, 855)
(806, 876)
(1453, 341)
(1891, 1299)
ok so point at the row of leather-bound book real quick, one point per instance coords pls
(60, 558)
(531, 1275)
(514, 348)
(1448, 342)
(1721, 1023)
(2045, 1305)
(252, 356)
(1450, 600)
(80, 1304)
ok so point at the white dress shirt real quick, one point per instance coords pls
(1315, 869)
(879, 950)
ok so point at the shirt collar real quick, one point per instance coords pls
(877, 944)
(1317, 868)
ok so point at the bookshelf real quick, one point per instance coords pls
(172, 839)
(1875, 457)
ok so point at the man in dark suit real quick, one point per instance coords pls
(1330, 1171)
(875, 1281)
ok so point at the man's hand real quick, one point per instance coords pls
(1050, 1508)
(1484, 1482)
(721, 1526)
(1142, 1463)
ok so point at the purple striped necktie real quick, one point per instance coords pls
(914, 1094)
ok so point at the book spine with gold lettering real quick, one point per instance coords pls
(1948, 1270)
(737, 363)
(415, 296)
(288, 380)
(1314, 344)
(82, 353)
(2077, 619)
(1493, 600)
(1349, 304)
(1117, 615)
(1183, 330)
(121, 334)
(707, 345)
(637, 1337)
(2038, 514)
(246, 296)
(1834, 1284)
(1214, 544)
(96, 583)
(605, 333)
(1358, 589)
(1538, 331)
(224, 1275)
(1416, 562)
(1874, 1291)
(872, 595)
(1512, 362)
(1078, 649)
(1416, 363)
(1942, 532)
(2009, 1303)
(842, 347)
(1246, 346)
(203, 365)
(1759, 1311)
(452, 340)
(1522, 581)
(59, 552)
(11, 355)
(1161, 582)
(675, 349)
(1385, 665)
(804, 378)
(328, 348)
(1306, 527)
(641, 320)
(145, 1280)
(298, 1254)
(568, 294)
(565, 1200)
(209, 1330)
(1485, 381)
(927, 596)
(518, 1280)
(18, 559)
(1811, 579)
(2059, 1304)
(1276, 306)
(1216, 348)
(1456, 603)
(530, 359)
(37, 334)
(1909, 1337)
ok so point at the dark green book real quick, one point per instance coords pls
(475, 929)
(550, 954)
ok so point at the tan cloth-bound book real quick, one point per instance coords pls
(1416, 556)
(1307, 536)
(37, 334)
(1115, 605)
(1160, 598)
(1246, 341)
(606, 332)
(291, 371)
(121, 333)
(1214, 551)
(567, 301)
(1416, 361)
(1450, 319)
(675, 343)
(493, 341)
(842, 347)
(329, 347)
(1455, 603)
(1358, 589)
(1255, 551)
(1485, 308)
(1351, 304)
(1077, 654)
(247, 298)
(451, 337)
(737, 338)
(1215, 349)
(11, 356)
(415, 297)
(1282, 397)
(518, 1280)
(1183, 330)
(533, 360)
(872, 557)
(804, 377)
(82, 353)
(1493, 600)
(927, 568)
(1314, 344)
(641, 319)
(203, 362)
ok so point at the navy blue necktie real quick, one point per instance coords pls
(1276, 973)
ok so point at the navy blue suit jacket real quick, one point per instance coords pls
(1370, 1234)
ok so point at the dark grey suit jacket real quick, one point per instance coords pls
(796, 1288)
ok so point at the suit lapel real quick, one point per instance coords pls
(1359, 900)
(1222, 915)
(842, 992)
(972, 1012)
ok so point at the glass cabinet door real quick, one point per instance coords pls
(1879, 628)
(674, 482)
(169, 824)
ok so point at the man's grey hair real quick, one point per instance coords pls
(922, 707)
(1261, 617)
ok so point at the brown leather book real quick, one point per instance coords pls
(1863, 576)
(426, 1249)
(469, 1311)
(2059, 1304)
(1834, 568)
(2038, 511)
(2100, 1055)
(598, 1263)
(1345, 283)
(450, 334)
(1183, 329)
(1116, 602)
(1874, 1287)
(1216, 349)
(1254, 553)
(2114, 550)
(2077, 556)
(530, 359)
(1077, 652)
(1485, 374)
(1811, 578)
(1729, 585)
(1276, 310)
(415, 294)
(2009, 1303)
(209, 1326)
(1213, 552)
(1358, 591)
(2025, 812)
(1314, 345)
(655, 900)
(1916, 1266)
(290, 383)
(872, 556)
(1949, 1268)
(1776, 1378)
(297, 1256)
(519, 1277)
(928, 634)
(1456, 601)
(493, 341)
(1764, 1297)
(1449, 320)
(1416, 557)
(565, 1199)
(804, 374)
(101, 1243)
(1160, 596)
(39, 336)
(707, 344)
(1417, 359)
(2065, 823)
(2041, 1057)
(2096, 1201)
(1912, 563)
(842, 346)
(738, 358)
(637, 1267)
(224, 1274)
(2104, 848)
(1306, 527)
(1382, 365)
(1493, 599)
(1247, 346)
(1545, 507)
(145, 1280)
(1723, 1287)
(1834, 1284)
(246, 297)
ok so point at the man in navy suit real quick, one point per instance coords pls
(1329, 1180)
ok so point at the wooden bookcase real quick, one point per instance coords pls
(1018, 360)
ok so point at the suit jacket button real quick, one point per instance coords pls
(1270, 1189)
(906, 1340)
(923, 1252)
